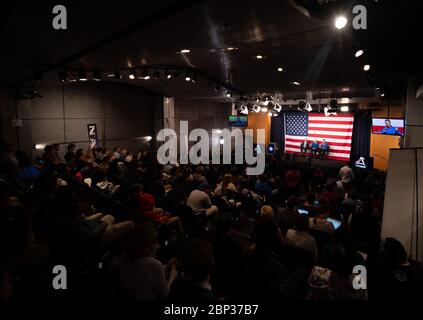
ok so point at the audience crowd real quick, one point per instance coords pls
(126, 227)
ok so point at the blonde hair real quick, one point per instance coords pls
(266, 212)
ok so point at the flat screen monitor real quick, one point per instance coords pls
(336, 223)
(388, 126)
(238, 121)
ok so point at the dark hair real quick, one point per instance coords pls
(395, 251)
(292, 201)
(197, 259)
(301, 223)
(265, 234)
(79, 153)
(310, 197)
(70, 146)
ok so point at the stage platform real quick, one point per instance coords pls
(326, 163)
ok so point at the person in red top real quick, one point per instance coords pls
(147, 207)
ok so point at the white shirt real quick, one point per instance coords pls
(198, 201)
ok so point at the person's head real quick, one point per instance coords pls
(48, 148)
(197, 260)
(205, 187)
(71, 147)
(141, 241)
(265, 234)
(292, 202)
(56, 147)
(395, 251)
(200, 170)
(324, 140)
(227, 179)
(116, 150)
(388, 123)
(310, 198)
(79, 153)
(263, 178)
(266, 212)
(323, 211)
(301, 223)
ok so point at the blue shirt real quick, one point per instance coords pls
(314, 145)
(390, 130)
(324, 146)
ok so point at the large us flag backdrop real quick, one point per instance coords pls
(335, 129)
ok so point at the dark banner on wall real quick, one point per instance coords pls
(92, 135)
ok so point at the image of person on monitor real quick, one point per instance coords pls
(389, 129)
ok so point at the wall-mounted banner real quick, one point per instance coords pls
(93, 135)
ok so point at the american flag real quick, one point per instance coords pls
(335, 129)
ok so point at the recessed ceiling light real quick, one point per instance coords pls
(280, 69)
(359, 53)
(382, 95)
(187, 77)
(230, 48)
(229, 94)
(259, 56)
(366, 67)
(185, 51)
(340, 22)
(295, 83)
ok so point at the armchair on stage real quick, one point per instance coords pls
(314, 148)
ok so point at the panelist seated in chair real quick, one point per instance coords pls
(324, 148)
(304, 146)
(314, 147)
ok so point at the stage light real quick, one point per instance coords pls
(145, 75)
(63, 75)
(40, 146)
(230, 48)
(187, 77)
(132, 75)
(259, 57)
(157, 74)
(280, 69)
(82, 75)
(295, 83)
(97, 75)
(308, 107)
(359, 53)
(256, 108)
(333, 104)
(301, 105)
(117, 75)
(277, 108)
(382, 95)
(168, 75)
(185, 51)
(345, 108)
(366, 67)
(264, 109)
(243, 109)
(340, 22)
(229, 94)
(222, 141)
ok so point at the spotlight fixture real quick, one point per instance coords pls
(264, 109)
(97, 75)
(259, 57)
(340, 22)
(243, 109)
(168, 75)
(187, 77)
(185, 51)
(82, 75)
(345, 108)
(157, 74)
(366, 67)
(295, 83)
(333, 104)
(277, 108)
(117, 75)
(145, 75)
(229, 94)
(63, 75)
(280, 69)
(256, 108)
(132, 75)
(359, 53)
(308, 107)
(382, 95)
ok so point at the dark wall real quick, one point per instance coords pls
(121, 111)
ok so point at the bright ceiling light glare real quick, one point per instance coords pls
(264, 109)
(229, 94)
(230, 48)
(280, 69)
(295, 83)
(194, 78)
(168, 75)
(259, 57)
(185, 51)
(382, 95)
(82, 76)
(359, 53)
(132, 75)
(340, 22)
(345, 108)
(157, 74)
(97, 75)
(187, 77)
(366, 67)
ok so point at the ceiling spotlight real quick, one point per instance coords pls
(82, 75)
(308, 107)
(194, 78)
(168, 75)
(132, 75)
(243, 109)
(256, 108)
(277, 108)
(157, 74)
(345, 108)
(340, 22)
(259, 57)
(366, 67)
(295, 83)
(187, 77)
(264, 109)
(230, 48)
(229, 94)
(359, 53)
(97, 75)
(280, 69)
(382, 95)
(145, 75)
(185, 51)
(63, 75)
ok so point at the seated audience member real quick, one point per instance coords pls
(324, 149)
(225, 186)
(309, 204)
(142, 275)
(197, 263)
(266, 212)
(320, 222)
(29, 173)
(287, 216)
(314, 147)
(70, 153)
(395, 275)
(200, 202)
(198, 176)
(304, 146)
(292, 181)
(300, 237)
(331, 194)
(262, 186)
